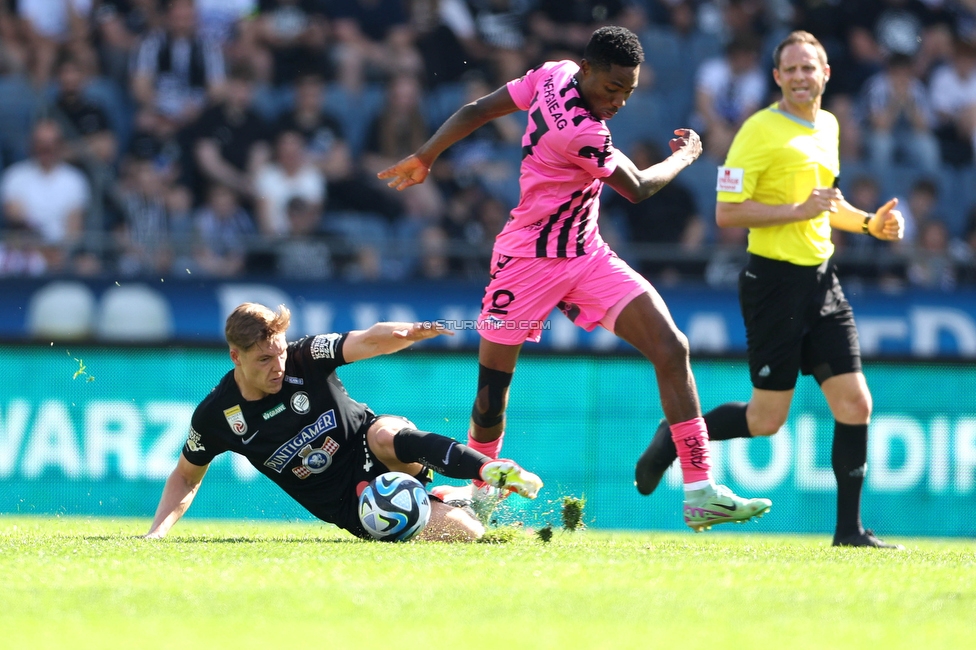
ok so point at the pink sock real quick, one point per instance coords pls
(489, 449)
(691, 441)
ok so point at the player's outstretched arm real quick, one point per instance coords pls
(635, 184)
(181, 487)
(386, 338)
(414, 169)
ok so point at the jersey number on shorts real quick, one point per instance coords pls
(541, 128)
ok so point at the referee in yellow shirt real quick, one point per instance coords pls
(779, 180)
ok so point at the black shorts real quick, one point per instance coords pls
(797, 319)
(366, 468)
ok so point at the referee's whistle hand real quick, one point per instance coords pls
(821, 199)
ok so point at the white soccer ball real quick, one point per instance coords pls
(394, 507)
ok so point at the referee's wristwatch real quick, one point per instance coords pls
(864, 226)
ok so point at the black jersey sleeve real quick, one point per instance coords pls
(202, 445)
(322, 352)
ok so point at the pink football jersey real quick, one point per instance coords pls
(566, 154)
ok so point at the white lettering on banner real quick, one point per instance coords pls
(317, 317)
(707, 332)
(929, 322)
(871, 331)
(400, 313)
(882, 475)
(809, 476)
(12, 428)
(143, 441)
(456, 314)
(939, 475)
(365, 314)
(603, 340)
(965, 454)
(113, 429)
(165, 451)
(52, 443)
(761, 478)
(231, 295)
(564, 335)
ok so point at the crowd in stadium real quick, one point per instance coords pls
(222, 138)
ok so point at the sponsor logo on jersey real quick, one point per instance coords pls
(235, 418)
(316, 460)
(324, 346)
(298, 381)
(267, 415)
(193, 441)
(300, 403)
(729, 179)
(291, 449)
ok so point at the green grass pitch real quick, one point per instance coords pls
(92, 583)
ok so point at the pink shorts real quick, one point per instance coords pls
(590, 290)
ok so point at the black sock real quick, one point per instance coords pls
(848, 457)
(727, 421)
(442, 454)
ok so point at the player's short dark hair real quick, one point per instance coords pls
(614, 45)
(251, 323)
(799, 37)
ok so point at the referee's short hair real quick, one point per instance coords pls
(799, 37)
(614, 45)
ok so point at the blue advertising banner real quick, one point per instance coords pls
(96, 431)
(910, 323)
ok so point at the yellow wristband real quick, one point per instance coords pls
(864, 226)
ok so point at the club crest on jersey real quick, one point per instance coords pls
(316, 460)
(235, 418)
(300, 403)
(293, 448)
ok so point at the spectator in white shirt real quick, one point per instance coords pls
(45, 194)
(289, 176)
(953, 95)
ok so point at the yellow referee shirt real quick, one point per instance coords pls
(778, 158)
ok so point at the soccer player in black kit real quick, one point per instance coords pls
(284, 409)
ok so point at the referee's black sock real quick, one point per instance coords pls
(727, 421)
(849, 455)
(442, 454)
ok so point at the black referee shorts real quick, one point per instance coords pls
(797, 320)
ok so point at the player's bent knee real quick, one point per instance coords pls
(672, 351)
(765, 426)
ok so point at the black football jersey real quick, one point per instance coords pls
(304, 438)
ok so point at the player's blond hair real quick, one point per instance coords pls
(800, 37)
(251, 323)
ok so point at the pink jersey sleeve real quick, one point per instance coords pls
(524, 88)
(592, 149)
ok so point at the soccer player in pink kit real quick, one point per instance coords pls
(551, 254)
